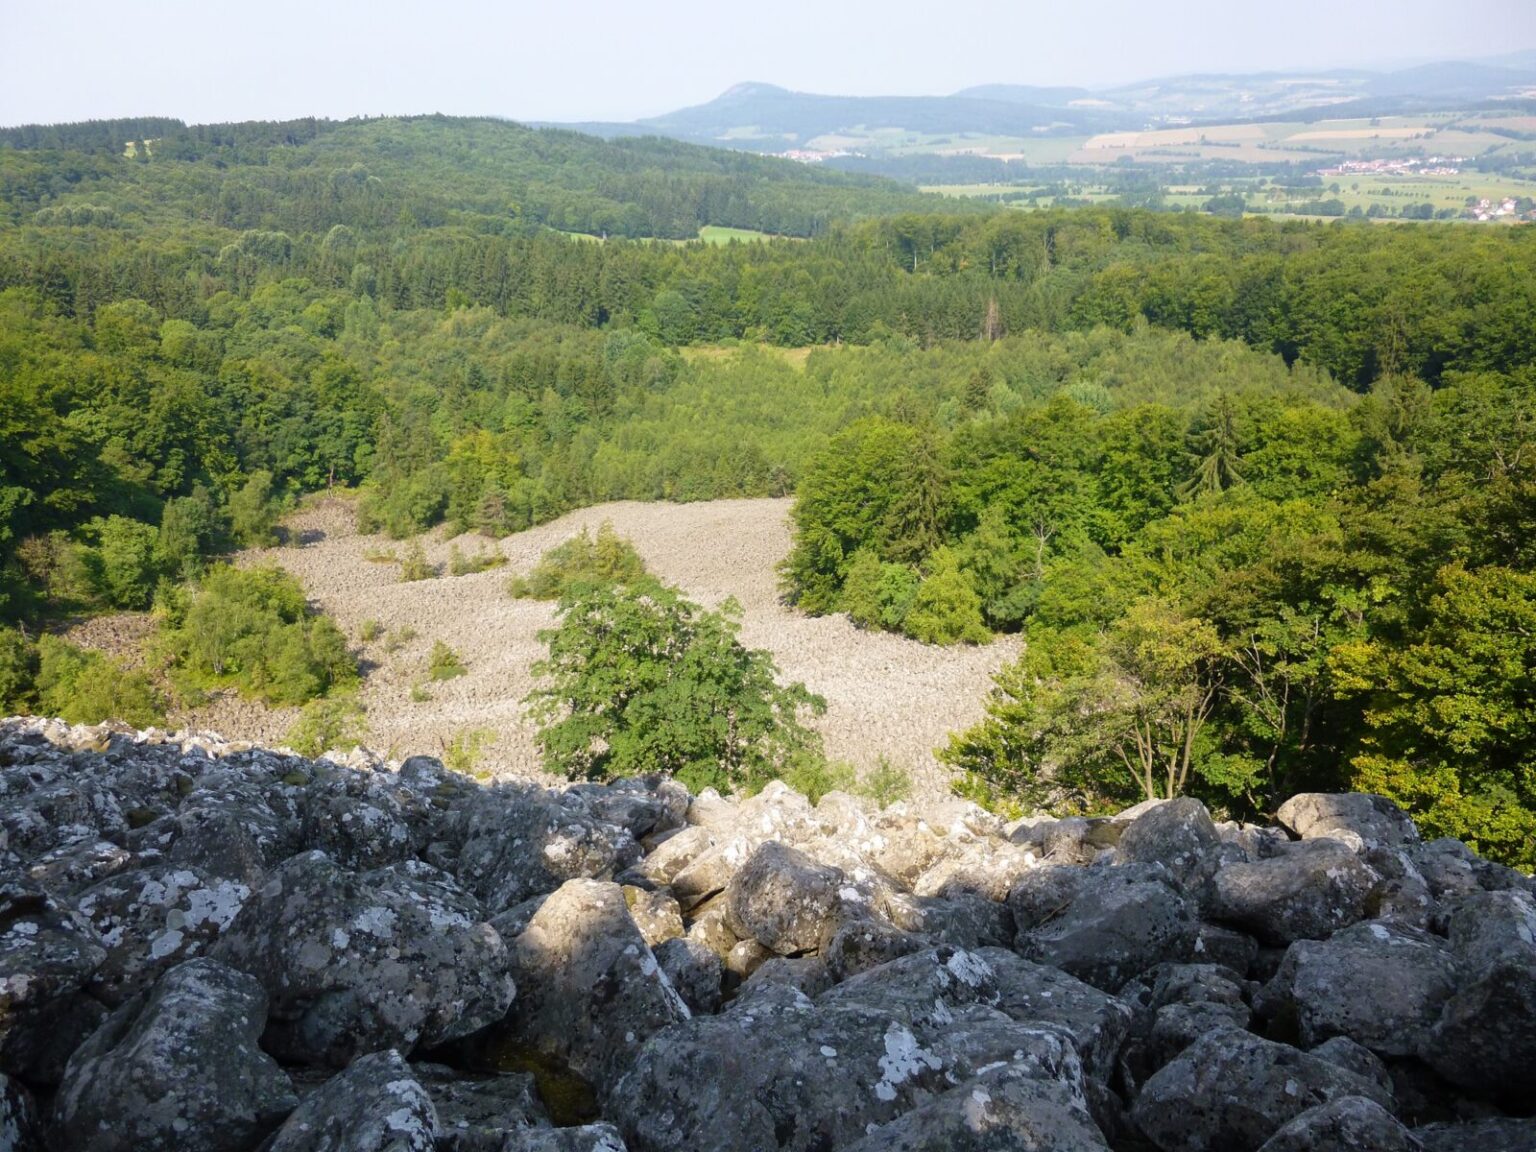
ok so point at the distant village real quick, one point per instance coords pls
(1403, 166)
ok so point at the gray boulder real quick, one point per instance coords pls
(1347, 1124)
(1031, 993)
(1485, 1040)
(1178, 834)
(1358, 818)
(362, 820)
(1492, 1135)
(860, 945)
(152, 919)
(480, 1113)
(177, 1069)
(1175, 1005)
(1230, 1091)
(376, 1105)
(48, 953)
(694, 972)
(656, 914)
(590, 991)
(1005, 1110)
(784, 900)
(77, 865)
(232, 827)
(583, 1138)
(1118, 923)
(807, 975)
(18, 1118)
(362, 963)
(519, 844)
(1382, 985)
(1308, 892)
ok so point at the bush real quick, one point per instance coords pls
(398, 639)
(887, 784)
(18, 672)
(814, 776)
(946, 609)
(369, 631)
(462, 565)
(333, 723)
(124, 564)
(252, 629)
(414, 565)
(581, 562)
(444, 663)
(463, 752)
(85, 687)
(640, 680)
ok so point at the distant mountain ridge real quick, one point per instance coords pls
(760, 116)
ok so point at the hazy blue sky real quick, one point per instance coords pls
(621, 59)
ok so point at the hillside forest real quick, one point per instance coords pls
(1260, 496)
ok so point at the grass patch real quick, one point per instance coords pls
(462, 753)
(462, 565)
(398, 639)
(444, 663)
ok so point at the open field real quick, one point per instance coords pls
(795, 357)
(886, 695)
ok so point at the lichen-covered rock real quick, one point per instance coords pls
(1036, 994)
(1358, 818)
(1178, 834)
(582, 1138)
(694, 972)
(1347, 1124)
(1485, 1040)
(1308, 892)
(784, 900)
(77, 865)
(1004, 1110)
(782, 1072)
(480, 1113)
(656, 914)
(523, 843)
(48, 953)
(376, 1105)
(1230, 1091)
(236, 828)
(860, 945)
(1382, 985)
(590, 991)
(153, 919)
(177, 1069)
(964, 920)
(807, 975)
(1175, 1005)
(1116, 924)
(1501, 1134)
(18, 1118)
(362, 820)
(362, 963)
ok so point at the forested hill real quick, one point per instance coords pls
(488, 176)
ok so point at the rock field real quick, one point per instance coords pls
(886, 695)
(212, 947)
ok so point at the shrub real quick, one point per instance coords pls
(444, 663)
(398, 639)
(18, 672)
(86, 687)
(462, 565)
(463, 752)
(814, 776)
(640, 680)
(887, 783)
(124, 561)
(252, 629)
(581, 562)
(331, 723)
(369, 631)
(946, 609)
(414, 564)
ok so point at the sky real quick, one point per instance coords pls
(212, 60)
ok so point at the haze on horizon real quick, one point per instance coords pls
(219, 61)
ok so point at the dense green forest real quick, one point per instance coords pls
(1259, 494)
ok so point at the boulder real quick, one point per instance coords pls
(582, 1138)
(1179, 835)
(362, 963)
(860, 945)
(964, 920)
(1499, 1134)
(1308, 892)
(48, 953)
(656, 914)
(376, 1105)
(1031, 993)
(1175, 1005)
(1230, 1091)
(1117, 924)
(19, 1130)
(1382, 985)
(807, 975)
(232, 827)
(152, 919)
(77, 865)
(523, 843)
(693, 971)
(1485, 1040)
(784, 900)
(1004, 1110)
(1358, 818)
(362, 820)
(479, 1113)
(177, 1069)
(590, 991)
(1347, 1124)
